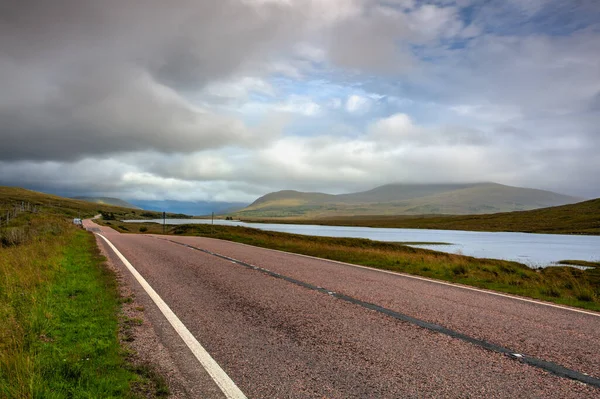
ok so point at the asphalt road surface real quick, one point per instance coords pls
(288, 326)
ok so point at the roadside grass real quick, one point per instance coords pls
(563, 285)
(580, 218)
(60, 310)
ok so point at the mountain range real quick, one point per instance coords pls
(107, 201)
(193, 208)
(406, 199)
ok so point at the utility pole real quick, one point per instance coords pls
(212, 224)
(164, 221)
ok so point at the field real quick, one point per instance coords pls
(580, 218)
(563, 285)
(60, 307)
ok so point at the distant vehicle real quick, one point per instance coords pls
(77, 222)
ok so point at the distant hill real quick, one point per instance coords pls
(195, 208)
(69, 207)
(107, 201)
(579, 218)
(406, 199)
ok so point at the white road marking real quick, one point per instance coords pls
(590, 313)
(219, 376)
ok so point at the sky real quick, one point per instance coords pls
(227, 100)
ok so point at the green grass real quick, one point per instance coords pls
(81, 354)
(580, 218)
(59, 307)
(563, 285)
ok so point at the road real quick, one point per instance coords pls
(287, 326)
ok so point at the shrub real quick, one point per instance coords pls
(585, 296)
(13, 236)
(107, 215)
(459, 269)
(551, 292)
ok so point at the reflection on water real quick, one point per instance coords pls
(535, 250)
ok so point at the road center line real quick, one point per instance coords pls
(224, 382)
(429, 280)
(551, 367)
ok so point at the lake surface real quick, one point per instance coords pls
(534, 250)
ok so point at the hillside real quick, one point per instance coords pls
(580, 218)
(405, 199)
(67, 207)
(108, 201)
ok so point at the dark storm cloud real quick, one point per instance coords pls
(111, 112)
(96, 77)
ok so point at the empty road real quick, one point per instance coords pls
(287, 326)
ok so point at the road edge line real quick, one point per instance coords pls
(218, 375)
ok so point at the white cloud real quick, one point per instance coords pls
(497, 114)
(357, 104)
(299, 105)
(396, 129)
(430, 22)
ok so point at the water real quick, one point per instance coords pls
(534, 250)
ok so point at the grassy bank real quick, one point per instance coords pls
(60, 310)
(581, 218)
(14, 198)
(563, 285)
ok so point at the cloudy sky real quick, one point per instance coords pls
(226, 100)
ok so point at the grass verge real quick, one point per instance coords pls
(60, 310)
(562, 285)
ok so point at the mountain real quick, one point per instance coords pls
(579, 218)
(195, 208)
(107, 201)
(406, 199)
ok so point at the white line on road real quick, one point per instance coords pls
(399, 274)
(218, 375)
